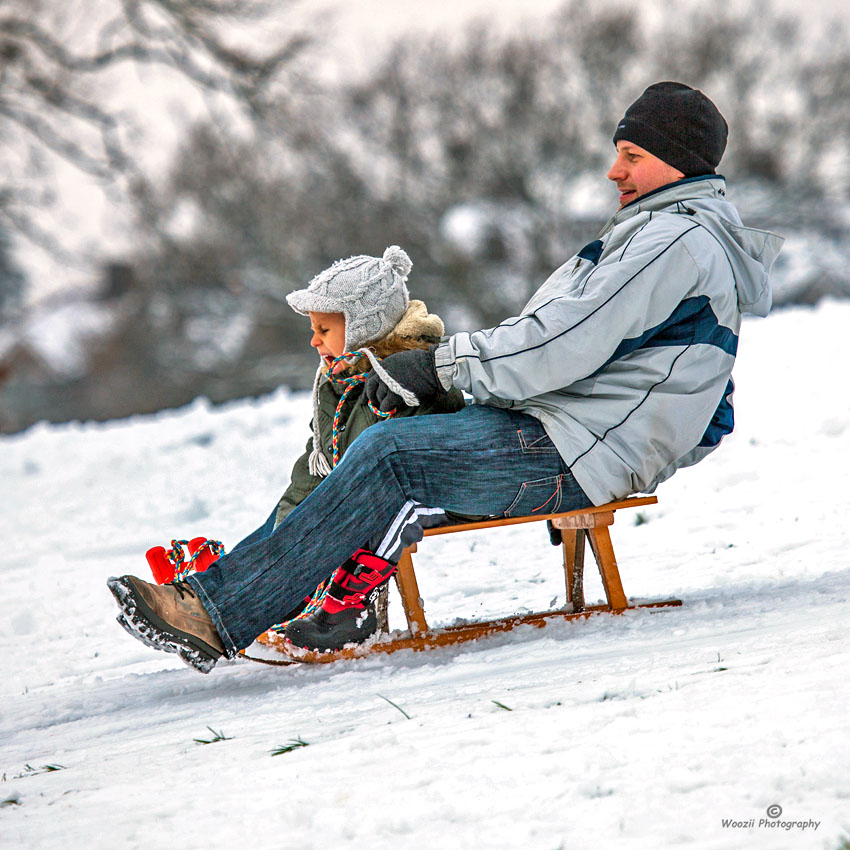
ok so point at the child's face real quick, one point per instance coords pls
(328, 336)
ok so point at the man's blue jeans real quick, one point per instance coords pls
(481, 460)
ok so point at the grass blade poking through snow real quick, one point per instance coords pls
(294, 744)
(394, 705)
(35, 771)
(217, 736)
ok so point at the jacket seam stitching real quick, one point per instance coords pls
(628, 416)
(635, 235)
(584, 318)
(722, 250)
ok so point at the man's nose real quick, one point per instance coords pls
(616, 171)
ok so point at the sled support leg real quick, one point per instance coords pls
(573, 546)
(408, 589)
(595, 526)
(603, 551)
(578, 528)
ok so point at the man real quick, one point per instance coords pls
(616, 374)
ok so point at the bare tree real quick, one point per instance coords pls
(484, 158)
(11, 278)
(479, 155)
(58, 60)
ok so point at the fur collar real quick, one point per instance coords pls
(417, 328)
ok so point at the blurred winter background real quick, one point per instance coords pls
(172, 168)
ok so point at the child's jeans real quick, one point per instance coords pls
(396, 478)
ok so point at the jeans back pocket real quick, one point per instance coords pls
(540, 496)
(532, 443)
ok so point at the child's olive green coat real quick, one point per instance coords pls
(417, 329)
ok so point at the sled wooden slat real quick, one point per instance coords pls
(577, 527)
(498, 522)
(447, 636)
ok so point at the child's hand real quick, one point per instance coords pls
(414, 370)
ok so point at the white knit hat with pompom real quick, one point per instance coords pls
(370, 292)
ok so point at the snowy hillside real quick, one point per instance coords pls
(647, 730)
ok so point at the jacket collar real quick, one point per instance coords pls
(691, 188)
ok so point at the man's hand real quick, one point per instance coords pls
(414, 370)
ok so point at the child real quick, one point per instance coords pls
(358, 302)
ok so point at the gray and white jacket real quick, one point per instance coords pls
(625, 353)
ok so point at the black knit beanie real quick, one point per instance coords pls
(679, 125)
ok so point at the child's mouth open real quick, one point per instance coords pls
(328, 361)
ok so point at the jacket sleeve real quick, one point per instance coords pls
(576, 320)
(301, 484)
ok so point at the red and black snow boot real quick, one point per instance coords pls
(347, 614)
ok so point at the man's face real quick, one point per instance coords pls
(637, 171)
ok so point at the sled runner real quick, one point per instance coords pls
(575, 528)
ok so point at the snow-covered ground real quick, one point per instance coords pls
(641, 731)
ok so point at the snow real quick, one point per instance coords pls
(466, 227)
(643, 730)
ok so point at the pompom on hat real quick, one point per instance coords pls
(371, 292)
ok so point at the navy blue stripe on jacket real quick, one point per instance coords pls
(723, 420)
(693, 322)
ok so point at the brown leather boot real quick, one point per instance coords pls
(169, 617)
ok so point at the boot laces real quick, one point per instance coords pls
(183, 588)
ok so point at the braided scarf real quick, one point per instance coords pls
(317, 462)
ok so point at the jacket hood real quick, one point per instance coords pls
(751, 252)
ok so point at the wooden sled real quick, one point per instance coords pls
(576, 527)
